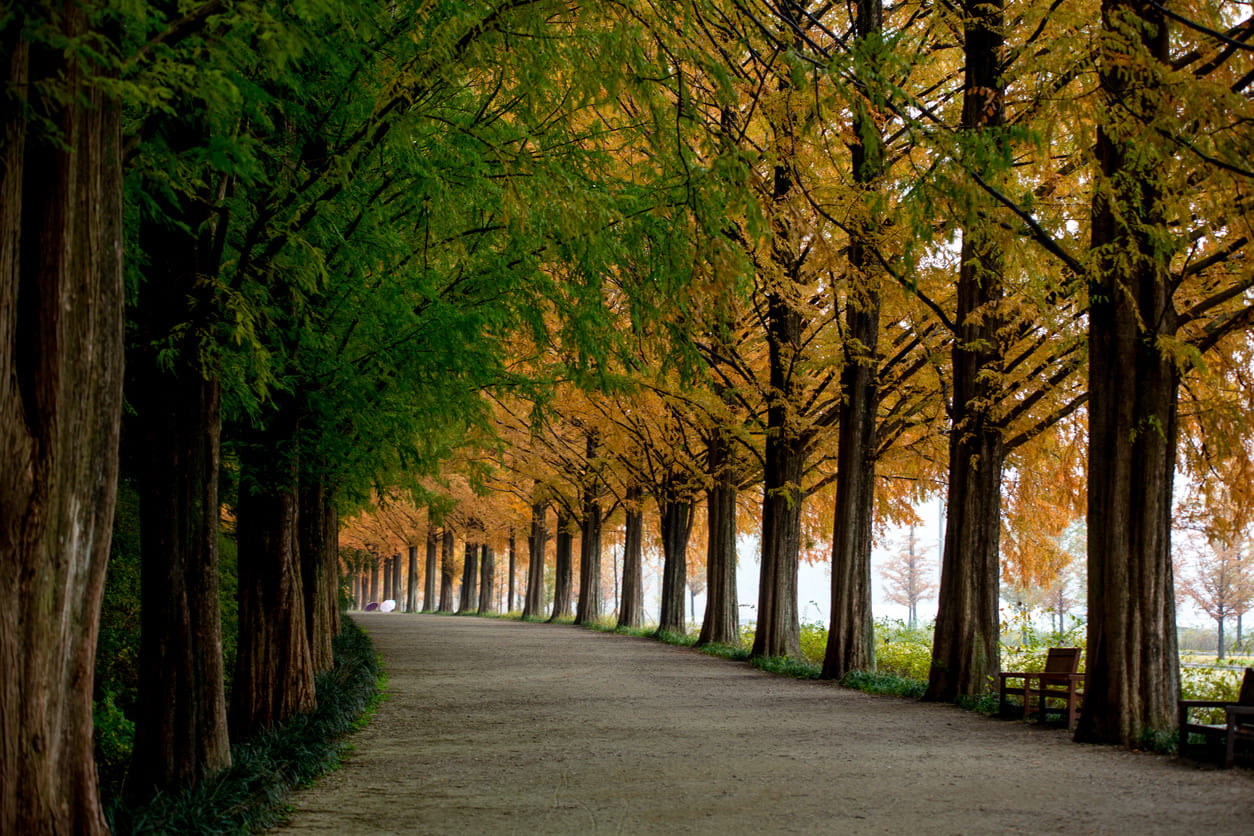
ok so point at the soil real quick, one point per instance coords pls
(507, 727)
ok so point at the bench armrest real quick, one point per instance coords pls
(1204, 703)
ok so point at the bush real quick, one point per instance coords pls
(114, 739)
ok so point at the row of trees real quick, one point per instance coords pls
(803, 262)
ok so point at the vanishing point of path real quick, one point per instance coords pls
(504, 727)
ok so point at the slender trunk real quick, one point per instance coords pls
(965, 650)
(1219, 655)
(563, 585)
(1133, 667)
(487, 581)
(631, 610)
(447, 570)
(274, 675)
(589, 606)
(721, 624)
(533, 605)
(374, 579)
(387, 578)
(61, 319)
(411, 586)
(428, 585)
(778, 630)
(513, 570)
(676, 528)
(469, 599)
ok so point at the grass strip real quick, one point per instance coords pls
(252, 793)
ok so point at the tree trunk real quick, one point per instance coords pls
(411, 586)
(1219, 654)
(513, 571)
(319, 561)
(274, 675)
(1133, 667)
(676, 528)
(966, 654)
(563, 585)
(487, 581)
(61, 323)
(447, 570)
(428, 584)
(469, 599)
(533, 605)
(721, 624)
(851, 638)
(631, 610)
(589, 607)
(387, 579)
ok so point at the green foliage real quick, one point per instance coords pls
(813, 643)
(114, 740)
(117, 650)
(671, 637)
(902, 651)
(879, 682)
(1212, 681)
(249, 796)
(787, 666)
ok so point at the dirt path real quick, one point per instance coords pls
(503, 727)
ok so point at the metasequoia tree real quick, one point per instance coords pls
(908, 578)
(60, 402)
(1220, 581)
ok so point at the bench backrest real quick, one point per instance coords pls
(1247, 688)
(1063, 660)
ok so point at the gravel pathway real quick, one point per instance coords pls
(504, 727)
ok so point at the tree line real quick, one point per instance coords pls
(802, 261)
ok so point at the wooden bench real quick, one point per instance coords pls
(1059, 681)
(1238, 724)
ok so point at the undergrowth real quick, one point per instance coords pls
(251, 794)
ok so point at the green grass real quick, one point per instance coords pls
(883, 682)
(252, 793)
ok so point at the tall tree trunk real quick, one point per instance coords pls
(487, 581)
(721, 624)
(533, 605)
(513, 571)
(966, 654)
(428, 584)
(387, 578)
(60, 407)
(319, 561)
(411, 587)
(851, 638)
(563, 585)
(631, 610)
(469, 599)
(589, 606)
(447, 570)
(274, 675)
(676, 514)
(1133, 666)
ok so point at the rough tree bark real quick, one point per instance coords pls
(374, 578)
(319, 562)
(274, 675)
(387, 579)
(563, 584)
(411, 587)
(428, 585)
(851, 638)
(966, 654)
(1133, 665)
(721, 624)
(589, 605)
(469, 598)
(631, 610)
(487, 580)
(60, 407)
(513, 570)
(676, 512)
(446, 572)
(533, 603)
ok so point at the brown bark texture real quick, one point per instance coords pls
(469, 598)
(411, 585)
(588, 608)
(319, 561)
(274, 675)
(513, 571)
(721, 624)
(631, 610)
(966, 654)
(676, 524)
(428, 585)
(850, 639)
(564, 573)
(487, 580)
(533, 603)
(1133, 664)
(446, 572)
(61, 333)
